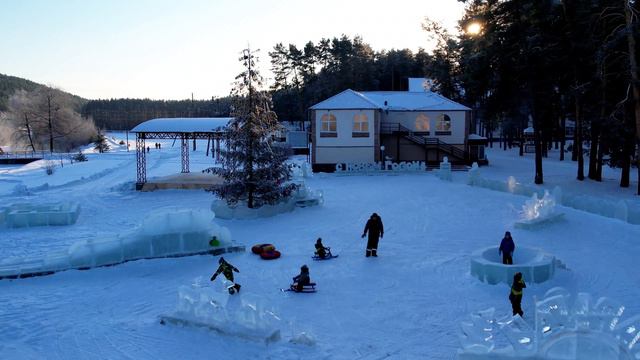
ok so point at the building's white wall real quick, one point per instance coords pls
(335, 155)
(344, 148)
(408, 120)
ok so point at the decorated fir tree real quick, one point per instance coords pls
(253, 168)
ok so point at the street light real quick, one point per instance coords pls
(382, 155)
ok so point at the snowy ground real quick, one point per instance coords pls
(405, 304)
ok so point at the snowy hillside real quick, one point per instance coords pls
(405, 304)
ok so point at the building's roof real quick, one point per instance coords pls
(347, 99)
(182, 125)
(476, 137)
(389, 100)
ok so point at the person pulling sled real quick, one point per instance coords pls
(227, 270)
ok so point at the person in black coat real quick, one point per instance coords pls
(303, 279)
(506, 248)
(515, 296)
(322, 251)
(376, 231)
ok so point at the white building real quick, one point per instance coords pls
(414, 125)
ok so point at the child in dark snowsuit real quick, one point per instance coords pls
(506, 248)
(376, 231)
(322, 251)
(515, 296)
(303, 279)
(227, 270)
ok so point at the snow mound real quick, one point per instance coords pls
(233, 315)
(535, 265)
(303, 338)
(566, 326)
(303, 197)
(45, 214)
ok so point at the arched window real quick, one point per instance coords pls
(360, 123)
(328, 126)
(422, 123)
(443, 125)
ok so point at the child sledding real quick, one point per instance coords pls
(322, 252)
(302, 282)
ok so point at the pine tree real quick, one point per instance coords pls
(100, 143)
(253, 169)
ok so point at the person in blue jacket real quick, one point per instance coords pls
(506, 249)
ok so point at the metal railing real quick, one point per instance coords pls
(25, 154)
(41, 154)
(390, 128)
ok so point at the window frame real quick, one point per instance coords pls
(328, 119)
(441, 120)
(357, 123)
(422, 119)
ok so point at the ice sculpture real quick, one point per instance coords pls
(537, 211)
(234, 315)
(565, 326)
(45, 214)
(474, 175)
(167, 232)
(535, 265)
(444, 173)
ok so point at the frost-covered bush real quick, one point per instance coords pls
(79, 157)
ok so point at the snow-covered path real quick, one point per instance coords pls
(405, 304)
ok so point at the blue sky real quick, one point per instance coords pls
(169, 49)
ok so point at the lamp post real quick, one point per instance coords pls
(382, 155)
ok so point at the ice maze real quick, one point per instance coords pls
(565, 327)
(535, 265)
(46, 214)
(624, 210)
(238, 315)
(168, 232)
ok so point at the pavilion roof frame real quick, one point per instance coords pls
(189, 132)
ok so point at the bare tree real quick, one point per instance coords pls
(47, 116)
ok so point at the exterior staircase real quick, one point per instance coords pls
(455, 152)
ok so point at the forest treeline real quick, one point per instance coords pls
(541, 62)
(125, 114)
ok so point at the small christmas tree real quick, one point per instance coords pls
(253, 169)
(100, 142)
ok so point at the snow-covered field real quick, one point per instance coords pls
(405, 304)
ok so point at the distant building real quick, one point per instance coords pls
(415, 125)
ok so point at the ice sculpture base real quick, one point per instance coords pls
(237, 315)
(48, 214)
(538, 222)
(535, 265)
